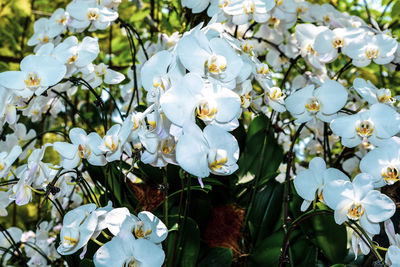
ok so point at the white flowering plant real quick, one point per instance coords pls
(199, 133)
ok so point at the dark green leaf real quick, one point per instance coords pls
(217, 257)
(331, 237)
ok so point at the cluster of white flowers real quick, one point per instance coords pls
(196, 86)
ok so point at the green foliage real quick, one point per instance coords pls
(217, 257)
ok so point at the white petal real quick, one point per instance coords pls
(333, 96)
(345, 126)
(78, 136)
(386, 120)
(378, 207)
(191, 151)
(13, 79)
(157, 65)
(191, 54)
(113, 77)
(306, 184)
(66, 150)
(159, 230)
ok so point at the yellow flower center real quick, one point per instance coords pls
(247, 48)
(301, 9)
(32, 80)
(249, 7)
(62, 20)
(217, 158)
(313, 105)
(93, 13)
(355, 211)
(206, 110)
(224, 4)
(275, 93)
(140, 232)
(217, 164)
(273, 20)
(44, 39)
(216, 64)
(310, 50)
(372, 52)
(83, 151)
(168, 145)
(390, 175)
(132, 263)
(245, 100)
(263, 70)
(384, 96)
(72, 59)
(111, 143)
(338, 42)
(365, 128)
(70, 241)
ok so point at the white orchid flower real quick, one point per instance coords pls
(145, 225)
(310, 183)
(358, 201)
(34, 174)
(277, 61)
(96, 74)
(146, 129)
(58, 22)
(329, 41)
(37, 107)
(358, 244)
(306, 35)
(8, 111)
(161, 72)
(392, 257)
(20, 137)
(380, 48)
(90, 12)
(42, 34)
(125, 250)
(383, 163)
(303, 10)
(244, 90)
(78, 227)
(244, 11)
(375, 125)
(77, 54)
(115, 141)
(323, 102)
(274, 97)
(214, 59)
(326, 14)
(159, 144)
(284, 14)
(372, 94)
(36, 75)
(83, 147)
(7, 159)
(211, 150)
(192, 97)
(263, 75)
